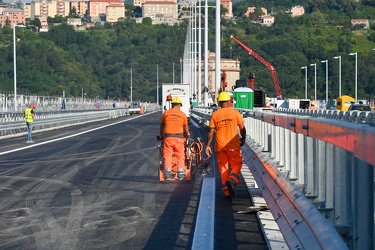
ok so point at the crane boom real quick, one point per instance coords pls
(265, 63)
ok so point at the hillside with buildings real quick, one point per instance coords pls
(82, 12)
(70, 45)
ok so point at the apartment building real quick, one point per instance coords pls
(61, 8)
(26, 10)
(114, 12)
(81, 6)
(38, 8)
(141, 2)
(98, 8)
(52, 8)
(11, 16)
(161, 11)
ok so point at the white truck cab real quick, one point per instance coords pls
(181, 91)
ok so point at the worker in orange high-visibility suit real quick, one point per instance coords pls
(226, 121)
(174, 129)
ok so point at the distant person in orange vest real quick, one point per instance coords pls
(174, 129)
(226, 121)
(29, 116)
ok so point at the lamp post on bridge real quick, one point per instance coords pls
(339, 57)
(157, 85)
(314, 64)
(356, 73)
(305, 68)
(326, 62)
(15, 64)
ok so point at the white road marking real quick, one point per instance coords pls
(69, 136)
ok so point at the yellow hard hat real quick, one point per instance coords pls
(312, 103)
(224, 97)
(176, 100)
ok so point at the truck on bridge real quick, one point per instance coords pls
(179, 90)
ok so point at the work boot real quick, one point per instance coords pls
(181, 174)
(168, 174)
(230, 186)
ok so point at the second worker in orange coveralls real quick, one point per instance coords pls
(226, 122)
(174, 128)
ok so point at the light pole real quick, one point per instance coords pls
(339, 57)
(326, 62)
(305, 68)
(157, 85)
(356, 73)
(131, 85)
(206, 55)
(199, 53)
(15, 65)
(205, 97)
(217, 48)
(314, 64)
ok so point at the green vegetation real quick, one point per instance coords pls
(100, 59)
(97, 60)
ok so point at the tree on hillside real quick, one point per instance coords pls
(147, 21)
(56, 19)
(137, 11)
(129, 10)
(36, 22)
(73, 13)
(256, 14)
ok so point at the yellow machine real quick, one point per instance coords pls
(344, 102)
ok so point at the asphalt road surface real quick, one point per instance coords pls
(95, 186)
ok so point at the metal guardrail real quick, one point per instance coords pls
(13, 123)
(329, 161)
(317, 176)
(367, 117)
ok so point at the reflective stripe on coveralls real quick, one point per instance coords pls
(234, 157)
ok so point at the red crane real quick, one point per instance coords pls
(265, 63)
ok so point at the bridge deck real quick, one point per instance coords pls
(233, 230)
